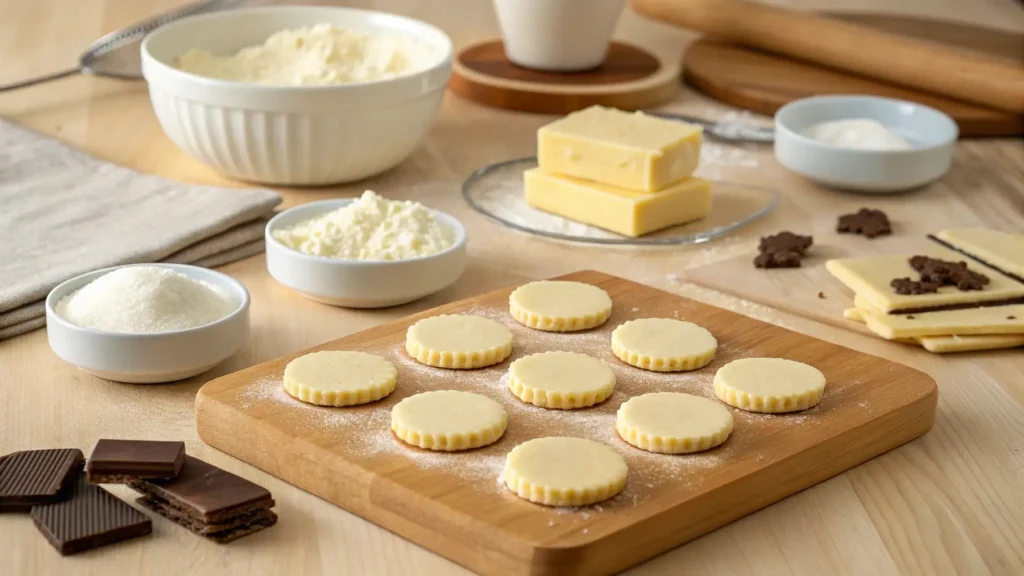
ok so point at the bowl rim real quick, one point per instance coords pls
(443, 62)
(53, 315)
(334, 203)
(781, 125)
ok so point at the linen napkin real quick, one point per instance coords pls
(65, 213)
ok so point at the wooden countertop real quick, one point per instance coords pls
(948, 503)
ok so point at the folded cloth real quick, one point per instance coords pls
(64, 213)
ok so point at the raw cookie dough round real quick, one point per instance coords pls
(339, 378)
(458, 341)
(663, 344)
(558, 306)
(448, 420)
(673, 423)
(769, 385)
(561, 380)
(559, 471)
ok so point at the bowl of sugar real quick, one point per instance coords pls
(864, 143)
(147, 323)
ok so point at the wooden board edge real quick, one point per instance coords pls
(217, 426)
(537, 102)
(998, 125)
(874, 438)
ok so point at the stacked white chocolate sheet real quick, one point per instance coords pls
(626, 172)
(986, 314)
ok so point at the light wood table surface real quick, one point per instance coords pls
(951, 502)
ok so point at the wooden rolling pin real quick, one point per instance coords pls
(916, 63)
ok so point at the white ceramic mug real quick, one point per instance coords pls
(557, 35)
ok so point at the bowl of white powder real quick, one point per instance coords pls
(146, 323)
(297, 95)
(366, 252)
(864, 143)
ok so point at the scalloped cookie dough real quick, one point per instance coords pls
(673, 423)
(339, 378)
(561, 380)
(771, 385)
(458, 341)
(562, 471)
(560, 306)
(663, 344)
(448, 420)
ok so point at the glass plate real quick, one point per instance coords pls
(496, 191)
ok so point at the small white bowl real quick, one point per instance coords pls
(931, 133)
(149, 358)
(301, 135)
(361, 283)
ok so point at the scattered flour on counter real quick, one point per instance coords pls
(364, 431)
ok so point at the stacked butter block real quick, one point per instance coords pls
(629, 173)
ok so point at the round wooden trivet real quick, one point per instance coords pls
(763, 82)
(630, 79)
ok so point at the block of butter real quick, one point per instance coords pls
(625, 149)
(626, 212)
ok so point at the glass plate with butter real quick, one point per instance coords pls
(515, 194)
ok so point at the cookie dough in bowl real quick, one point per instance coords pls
(769, 385)
(664, 345)
(560, 306)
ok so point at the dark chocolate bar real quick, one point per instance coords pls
(118, 461)
(241, 525)
(209, 501)
(91, 517)
(37, 477)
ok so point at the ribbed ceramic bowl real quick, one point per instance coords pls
(361, 283)
(303, 135)
(149, 358)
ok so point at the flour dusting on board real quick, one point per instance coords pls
(365, 435)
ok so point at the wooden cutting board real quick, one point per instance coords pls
(763, 82)
(454, 505)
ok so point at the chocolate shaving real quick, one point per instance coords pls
(1011, 317)
(785, 242)
(946, 273)
(782, 250)
(907, 287)
(785, 259)
(866, 222)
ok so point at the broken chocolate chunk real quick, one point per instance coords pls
(946, 273)
(907, 287)
(866, 222)
(1011, 317)
(785, 242)
(784, 259)
(821, 295)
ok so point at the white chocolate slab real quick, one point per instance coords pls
(869, 278)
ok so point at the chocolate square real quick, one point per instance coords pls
(37, 477)
(89, 518)
(118, 461)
